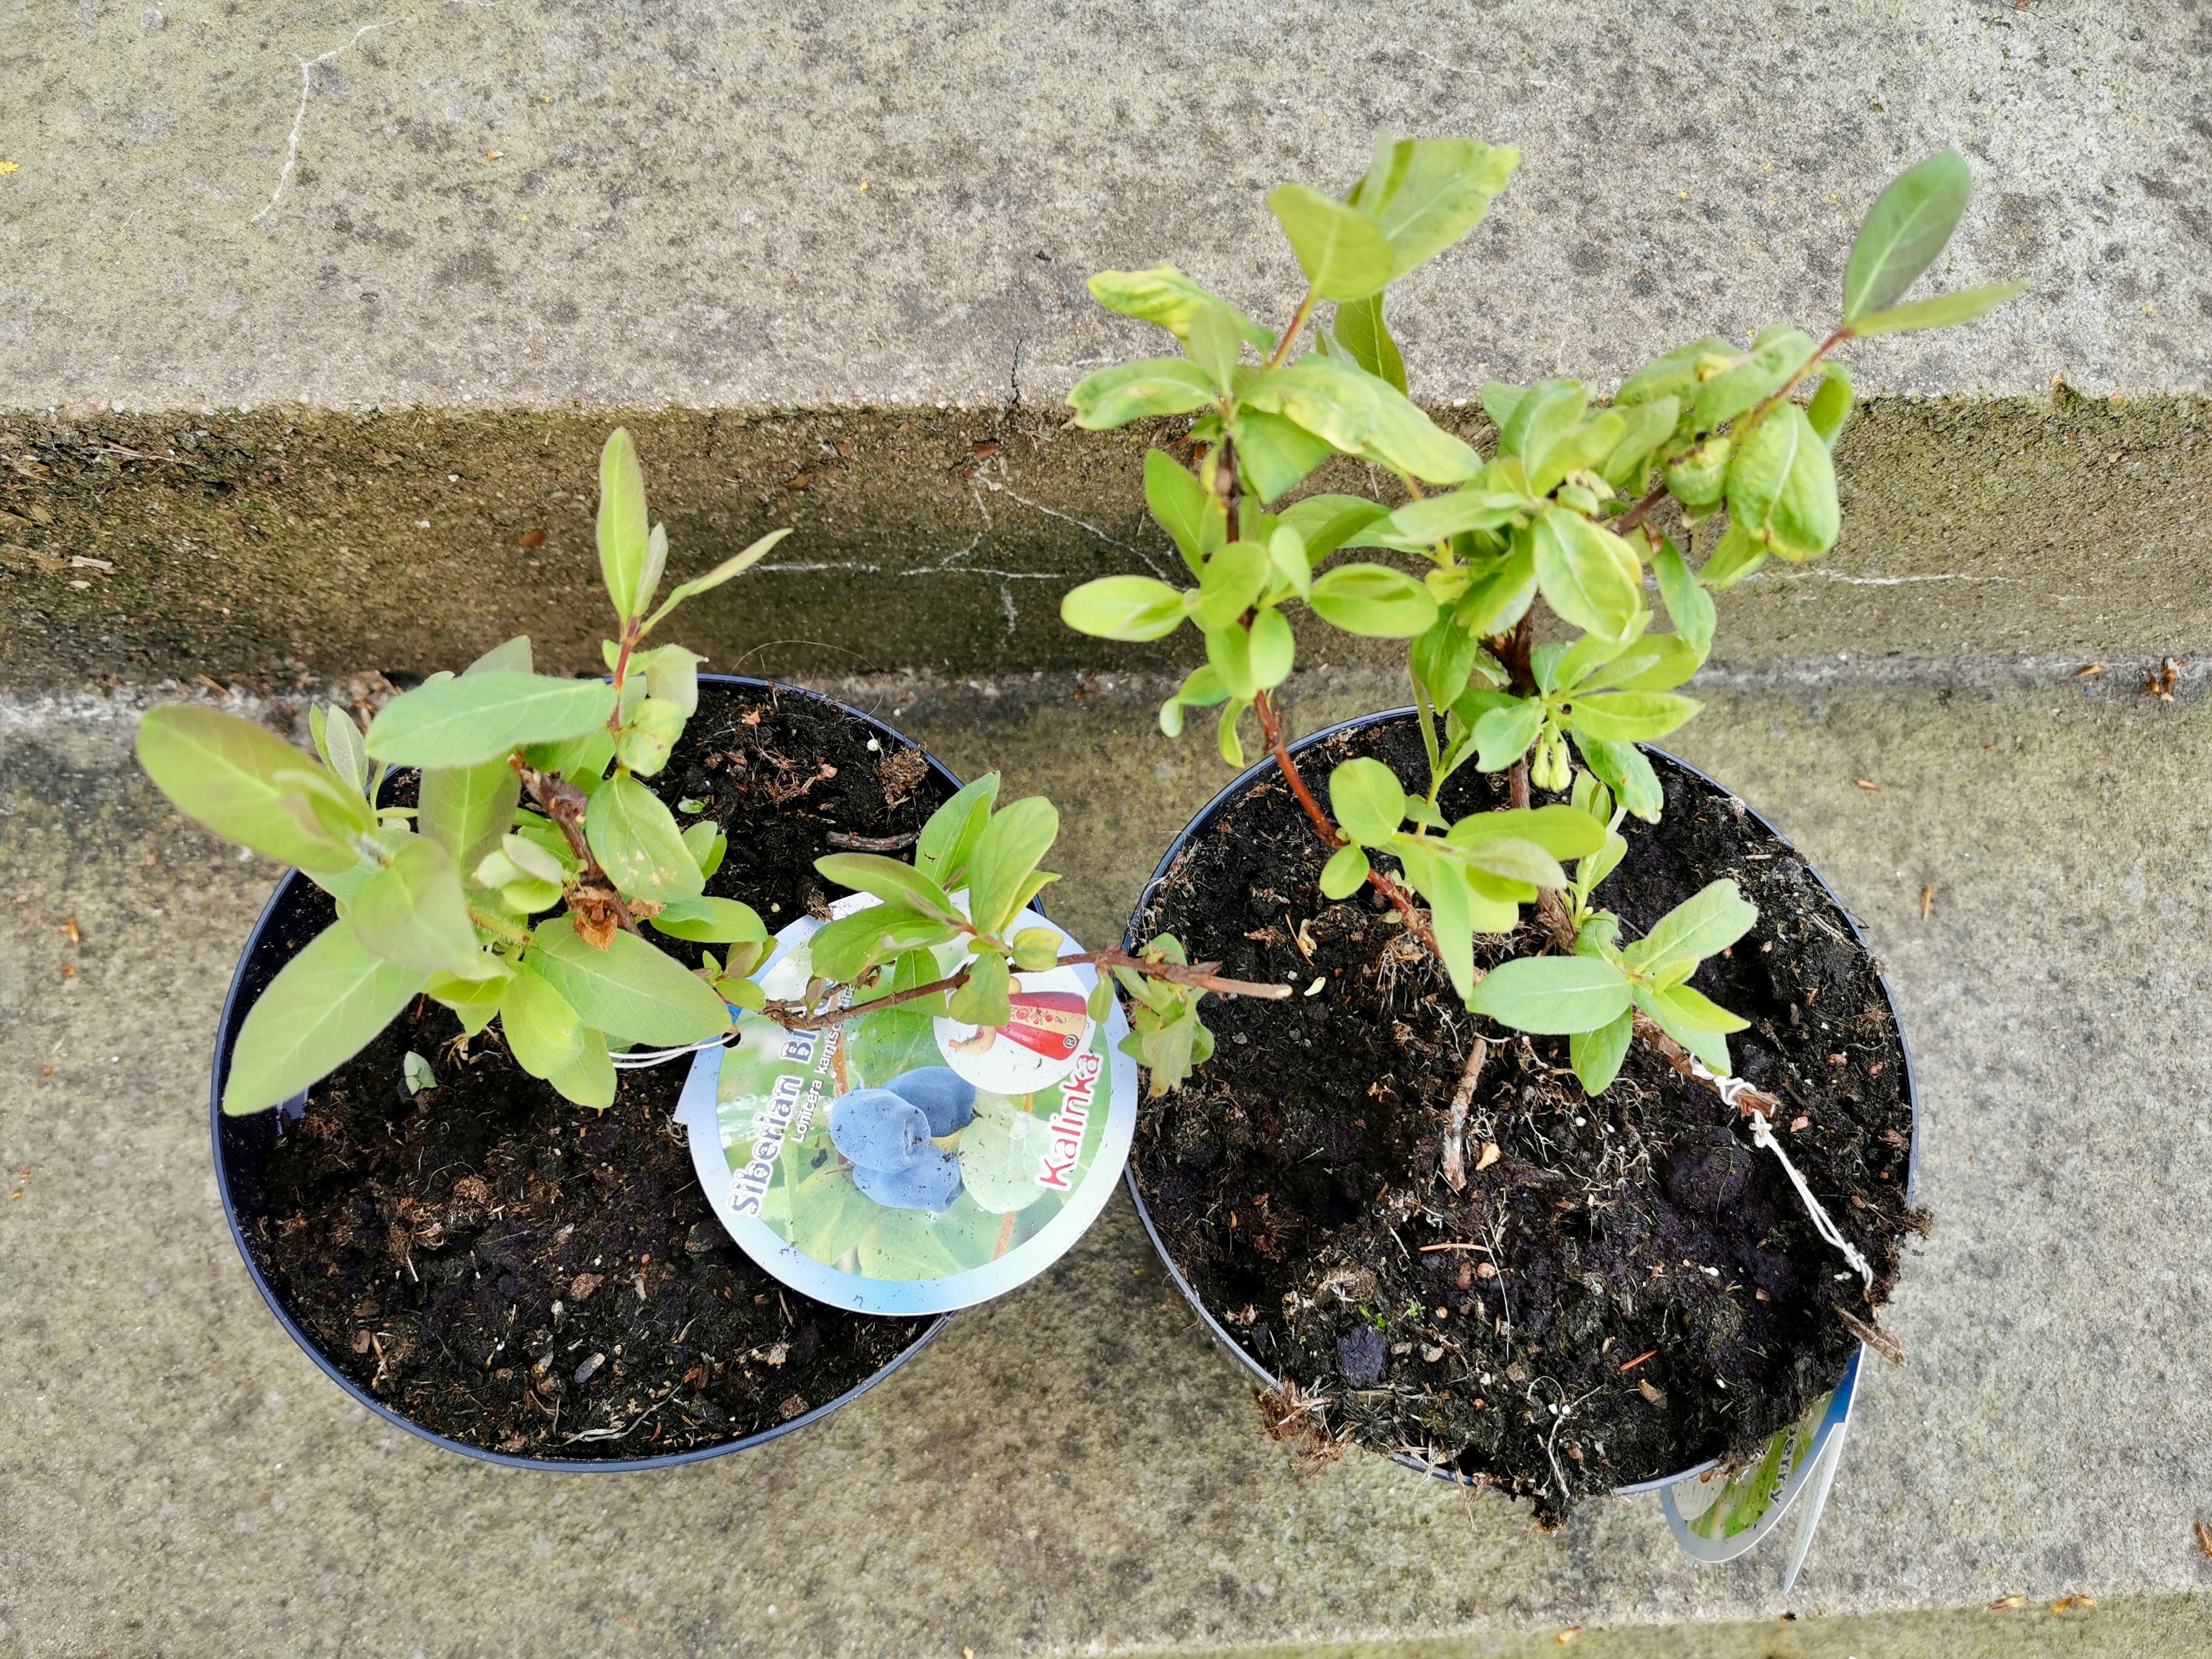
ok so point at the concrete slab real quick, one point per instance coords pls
(528, 202)
(176, 546)
(1073, 1469)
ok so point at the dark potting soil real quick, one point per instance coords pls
(1632, 1259)
(521, 1274)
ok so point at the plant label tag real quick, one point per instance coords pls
(902, 1162)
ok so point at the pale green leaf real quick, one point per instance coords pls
(1703, 925)
(1597, 1056)
(1123, 608)
(735, 565)
(1553, 996)
(1165, 296)
(1941, 312)
(220, 770)
(1345, 254)
(630, 990)
(1588, 575)
(467, 808)
(1005, 853)
(1336, 401)
(634, 838)
(1904, 230)
(1368, 801)
(1163, 386)
(412, 912)
(318, 1012)
(542, 1031)
(1373, 600)
(624, 536)
(474, 718)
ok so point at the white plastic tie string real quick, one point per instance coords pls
(1732, 1089)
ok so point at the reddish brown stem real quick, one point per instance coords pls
(1271, 728)
(566, 804)
(794, 1017)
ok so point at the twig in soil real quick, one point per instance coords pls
(617, 1434)
(1456, 1136)
(872, 843)
(1874, 1336)
(1633, 1363)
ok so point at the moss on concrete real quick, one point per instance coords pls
(149, 546)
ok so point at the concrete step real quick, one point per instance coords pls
(1074, 1469)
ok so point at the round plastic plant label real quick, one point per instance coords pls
(902, 1162)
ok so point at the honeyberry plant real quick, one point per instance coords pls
(1561, 512)
(520, 885)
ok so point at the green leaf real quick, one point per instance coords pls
(1512, 860)
(1374, 600)
(1904, 230)
(1597, 1056)
(1006, 853)
(1165, 296)
(1553, 996)
(1453, 907)
(472, 719)
(1708, 1046)
(1631, 716)
(982, 999)
(1540, 418)
(1579, 451)
(509, 656)
(1367, 801)
(1361, 331)
(1443, 659)
(1419, 524)
(1673, 661)
(475, 1001)
(1594, 867)
(712, 922)
(1778, 354)
(1588, 575)
(542, 1031)
(1234, 577)
(1345, 873)
(1674, 375)
(1337, 401)
(466, 810)
(412, 912)
(1213, 344)
(589, 1078)
(952, 831)
(1226, 741)
(1123, 608)
(1698, 477)
(1499, 593)
(1782, 486)
(648, 577)
(1273, 649)
(1325, 523)
(1503, 735)
(1163, 386)
(1622, 768)
(622, 533)
(1229, 654)
(1703, 925)
(1290, 567)
(634, 838)
(1426, 194)
(845, 948)
(1191, 514)
(1644, 426)
(1688, 606)
(338, 740)
(631, 991)
(1037, 949)
(721, 573)
(1561, 831)
(1738, 554)
(1698, 1012)
(889, 880)
(220, 770)
(1941, 312)
(1832, 405)
(1345, 254)
(1273, 453)
(318, 1012)
(706, 843)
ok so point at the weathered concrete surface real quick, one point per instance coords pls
(155, 546)
(1073, 1468)
(447, 202)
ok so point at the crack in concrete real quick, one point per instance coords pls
(300, 116)
(1879, 581)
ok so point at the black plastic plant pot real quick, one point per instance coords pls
(296, 914)
(1205, 823)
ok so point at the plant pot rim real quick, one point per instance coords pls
(1235, 790)
(226, 1032)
